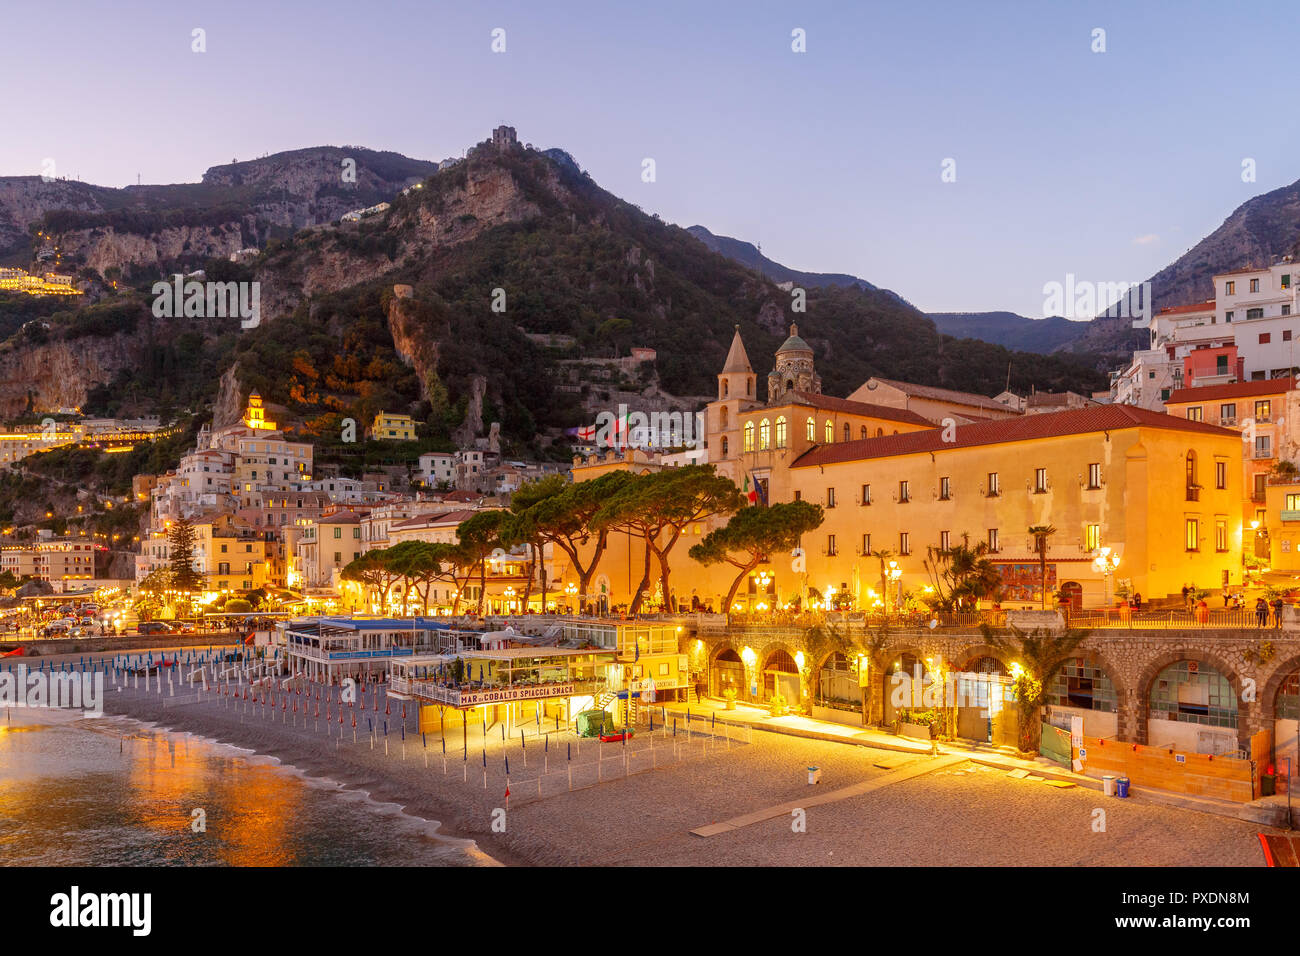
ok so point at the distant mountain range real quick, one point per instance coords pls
(1043, 336)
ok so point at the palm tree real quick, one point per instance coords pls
(1040, 653)
(884, 556)
(1041, 533)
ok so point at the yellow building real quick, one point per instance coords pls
(231, 554)
(391, 427)
(1161, 492)
(1276, 533)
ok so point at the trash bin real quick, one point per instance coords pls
(1122, 787)
(1267, 785)
(814, 775)
(1108, 785)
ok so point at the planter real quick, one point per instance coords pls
(917, 731)
(730, 704)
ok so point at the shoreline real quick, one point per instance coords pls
(379, 784)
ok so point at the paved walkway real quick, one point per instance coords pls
(1269, 811)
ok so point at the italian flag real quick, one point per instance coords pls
(750, 493)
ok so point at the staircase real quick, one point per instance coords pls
(604, 699)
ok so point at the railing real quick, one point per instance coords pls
(471, 693)
(1176, 619)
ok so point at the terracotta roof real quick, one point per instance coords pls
(347, 516)
(832, 404)
(1077, 421)
(428, 521)
(943, 394)
(1206, 306)
(1208, 393)
(460, 496)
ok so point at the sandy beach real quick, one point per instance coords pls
(651, 795)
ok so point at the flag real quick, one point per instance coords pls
(750, 494)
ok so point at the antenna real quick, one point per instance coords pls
(1008, 388)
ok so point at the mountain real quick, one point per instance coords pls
(178, 226)
(508, 287)
(1011, 330)
(1258, 231)
(747, 254)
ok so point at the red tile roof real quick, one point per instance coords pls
(1208, 393)
(831, 404)
(1077, 421)
(945, 394)
(1206, 306)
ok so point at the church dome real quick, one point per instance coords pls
(794, 343)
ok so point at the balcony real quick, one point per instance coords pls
(1290, 514)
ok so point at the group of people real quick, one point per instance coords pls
(1266, 612)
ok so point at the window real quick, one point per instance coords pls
(993, 485)
(798, 495)
(1040, 481)
(1254, 285)
(904, 542)
(830, 497)
(1264, 337)
(338, 532)
(724, 446)
(338, 557)
(749, 436)
(993, 539)
(1220, 475)
(904, 495)
(1221, 365)
(1286, 280)
(1230, 288)
(764, 435)
(1195, 414)
(862, 433)
(1228, 316)
(1193, 489)
(1220, 534)
(1261, 484)
(1228, 413)
(1263, 411)
(1192, 535)
(866, 495)
(944, 542)
(945, 489)
(1091, 537)
(1293, 502)
(780, 432)
(866, 543)
(812, 429)
(830, 433)
(830, 545)
(223, 549)
(1094, 475)
(1263, 446)
(356, 533)
(848, 431)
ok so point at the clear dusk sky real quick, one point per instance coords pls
(1107, 165)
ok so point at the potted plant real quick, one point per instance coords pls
(919, 724)
(729, 695)
(777, 705)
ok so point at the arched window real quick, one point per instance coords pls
(749, 436)
(764, 435)
(724, 388)
(724, 416)
(879, 432)
(812, 430)
(848, 431)
(1193, 692)
(830, 432)
(780, 432)
(724, 446)
(863, 433)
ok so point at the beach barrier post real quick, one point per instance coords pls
(570, 765)
(524, 747)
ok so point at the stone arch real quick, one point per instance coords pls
(727, 669)
(1267, 701)
(1139, 697)
(974, 651)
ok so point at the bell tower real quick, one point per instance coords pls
(737, 384)
(794, 371)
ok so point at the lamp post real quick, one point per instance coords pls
(1104, 562)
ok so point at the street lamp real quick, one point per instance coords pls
(895, 574)
(1104, 562)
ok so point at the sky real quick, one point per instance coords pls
(1105, 165)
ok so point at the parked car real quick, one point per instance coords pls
(155, 627)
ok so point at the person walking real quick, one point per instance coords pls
(1277, 611)
(1261, 611)
(1186, 592)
